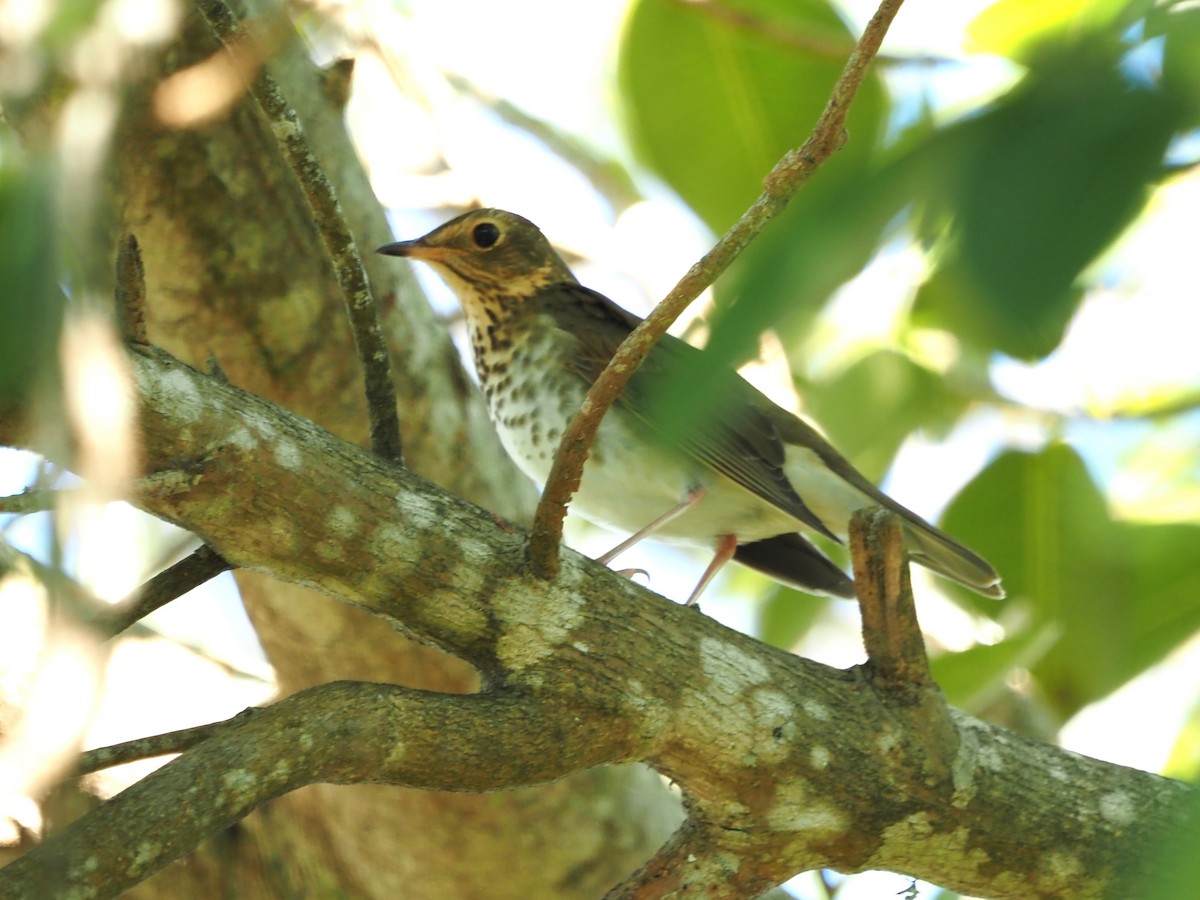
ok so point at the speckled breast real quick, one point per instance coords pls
(627, 481)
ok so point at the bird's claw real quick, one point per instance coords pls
(630, 573)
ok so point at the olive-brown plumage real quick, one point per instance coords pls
(745, 479)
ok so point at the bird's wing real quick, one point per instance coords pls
(926, 543)
(739, 432)
(733, 433)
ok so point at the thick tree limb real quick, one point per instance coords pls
(235, 268)
(333, 733)
(785, 764)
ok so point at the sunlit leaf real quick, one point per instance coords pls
(30, 303)
(713, 95)
(1121, 594)
(1184, 761)
(1017, 28)
(871, 408)
(1034, 190)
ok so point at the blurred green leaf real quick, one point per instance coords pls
(1184, 761)
(1121, 594)
(1180, 26)
(31, 303)
(1020, 29)
(870, 408)
(787, 275)
(713, 95)
(1165, 581)
(784, 279)
(973, 679)
(786, 616)
(1034, 190)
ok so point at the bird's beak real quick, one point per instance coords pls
(404, 248)
(418, 249)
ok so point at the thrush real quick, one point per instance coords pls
(746, 479)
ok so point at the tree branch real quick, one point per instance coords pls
(198, 567)
(787, 762)
(131, 291)
(344, 732)
(780, 185)
(891, 632)
(30, 500)
(336, 239)
(149, 747)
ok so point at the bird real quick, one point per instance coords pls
(744, 478)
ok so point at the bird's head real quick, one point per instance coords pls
(488, 257)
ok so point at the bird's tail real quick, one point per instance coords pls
(792, 559)
(941, 553)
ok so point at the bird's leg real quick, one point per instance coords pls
(726, 546)
(688, 502)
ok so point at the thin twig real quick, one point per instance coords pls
(30, 500)
(131, 291)
(336, 238)
(150, 747)
(780, 185)
(190, 572)
(108, 621)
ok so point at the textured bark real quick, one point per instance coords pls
(785, 764)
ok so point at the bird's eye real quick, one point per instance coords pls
(485, 235)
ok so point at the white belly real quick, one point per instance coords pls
(626, 484)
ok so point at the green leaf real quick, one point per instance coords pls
(1120, 594)
(1165, 580)
(713, 97)
(786, 615)
(974, 679)
(1020, 29)
(871, 408)
(784, 279)
(1184, 761)
(31, 303)
(1034, 190)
